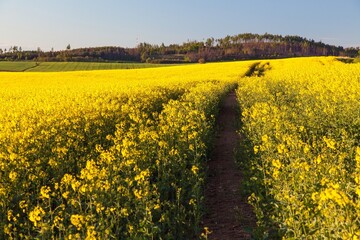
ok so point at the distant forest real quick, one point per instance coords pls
(237, 47)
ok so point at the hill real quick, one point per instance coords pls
(237, 47)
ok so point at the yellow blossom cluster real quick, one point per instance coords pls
(302, 122)
(114, 154)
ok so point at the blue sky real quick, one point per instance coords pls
(84, 23)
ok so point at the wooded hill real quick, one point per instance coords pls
(237, 47)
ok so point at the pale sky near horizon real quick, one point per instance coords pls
(88, 23)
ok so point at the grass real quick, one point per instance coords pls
(15, 66)
(349, 60)
(69, 66)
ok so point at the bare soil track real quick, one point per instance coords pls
(228, 215)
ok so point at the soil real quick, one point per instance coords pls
(228, 215)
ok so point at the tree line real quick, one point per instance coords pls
(237, 47)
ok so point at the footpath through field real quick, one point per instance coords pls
(228, 216)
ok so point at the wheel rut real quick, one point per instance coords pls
(228, 215)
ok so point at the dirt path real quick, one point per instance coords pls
(228, 215)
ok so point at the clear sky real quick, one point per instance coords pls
(89, 23)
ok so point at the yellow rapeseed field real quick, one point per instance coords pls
(107, 154)
(302, 120)
(119, 154)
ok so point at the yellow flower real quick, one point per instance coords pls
(256, 149)
(58, 221)
(265, 138)
(67, 179)
(13, 176)
(281, 148)
(330, 143)
(36, 215)
(75, 185)
(194, 169)
(206, 232)
(357, 190)
(142, 175)
(23, 205)
(130, 228)
(138, 193)
(275, 173)
(90, 233)
(45, 192)
(173, 152)
(357, 157)
(276, 163)
(317, 160)
(306, 149)
(191, 147)
(77, 220)
(124, 212)
(65, 194)
(10, 215)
